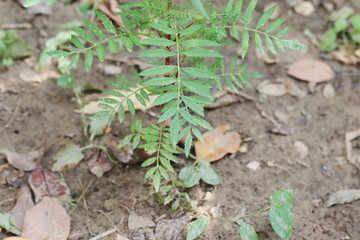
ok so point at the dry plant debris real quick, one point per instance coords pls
(311, 71)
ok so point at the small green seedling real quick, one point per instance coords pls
(345, 31)
(12, 47)
(280, 217)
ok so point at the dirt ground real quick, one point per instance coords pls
(43, 115)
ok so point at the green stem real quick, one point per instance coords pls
(77, 94)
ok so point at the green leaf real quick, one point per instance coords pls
(127, 42)
(125, 141)
(283, 197)
(100, 115)
(161, 81)
(66, 81)
(131, 106)
(157, 53)
(164, 98)
(7, 223)
(229, 6)
(163, 28)
(280, 45)
(150, 172)
(89, 59)
(121, 113)
(237, 9)
(258, 42)
(106, 21)
(207, 173)
(149, 162)
(167, 114)
(265, 17)
(197, 134)
(282, 221)
(200, 7)
(187, 116)
(162, 42)
(190, 30)
(87, 37)
(59, 53)
(200, 73)
(283, 32)
(200, 43)
(185, 172)
(355, 20)
(74, 61)
(71, 155)
(166, 163)
(189, 102)
(97, 126)
(275, 25)
(51, 2)
(30, 3)
(156, 181)
(247, 232)
(197, 228)
(340, 25)
(294, 45)
(159, 70)
(163, 172)
(140, 99)
(249, 12)
(113, 46)
(188, 143)
(202, 52)
(280, 215)
(174, 130)
(76, 41)
(94, 29)
(270, 44)
(198, 87)
(203, 123)
(101, 53)
(244, 43)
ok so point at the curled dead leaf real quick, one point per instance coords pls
(217, 143)
(99, 163)
(10, 175)
(23, 161)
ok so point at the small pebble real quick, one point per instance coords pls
(253, 165)
(304, 8)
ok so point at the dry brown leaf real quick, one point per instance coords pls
(99, 163)
(346, 55)
(92, 107)
(349, 137)
(311, 71)
(23, 161)
(23, 203)
(170, 228)
(46, 221)
(217, 143)
(47, 184)
(343, 196)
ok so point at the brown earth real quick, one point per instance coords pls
(44, 116)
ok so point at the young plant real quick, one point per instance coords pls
(345, 31)
(183, 39)
(280, 217)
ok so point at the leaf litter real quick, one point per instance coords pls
(217, 143)
(10, 175)
(48, 220)
(23, 161)
(23, 203)
(67, 158)
(48, 184)
(99, 163)
(311, 70)
(342, 197)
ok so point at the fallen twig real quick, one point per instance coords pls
(104, 234)
(16, 26)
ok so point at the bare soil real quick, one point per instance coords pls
(43, 115)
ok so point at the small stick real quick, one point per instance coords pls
(104, 234)
(15, 26)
